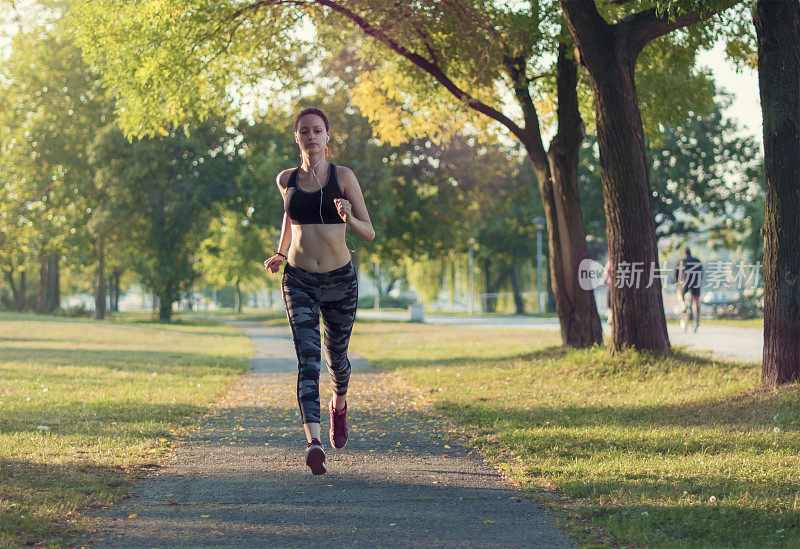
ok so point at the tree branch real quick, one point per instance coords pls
(644, 26)
(648, 25)
(430, 67)
(515, 67)
(426, 41)
(593, 35)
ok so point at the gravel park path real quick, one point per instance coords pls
(240, 479)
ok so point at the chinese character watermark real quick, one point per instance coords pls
(720, 275)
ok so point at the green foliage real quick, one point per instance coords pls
(168, 187)
(701, 170)
(426, 277)
(50, 104)
(174, 62)
(233, 251)
(266, 147)
(169, 63)
(669, 87)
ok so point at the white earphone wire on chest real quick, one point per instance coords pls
(321, 194)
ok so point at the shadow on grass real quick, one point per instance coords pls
(179, 325)
(136, 362)
(146, 421)
(44, 498)
(611, 463)
(718, 524)
(744, 412)
(592, 362)
(27, 339)
(547, 353)
(35, 317)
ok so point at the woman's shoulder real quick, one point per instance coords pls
(284, 177)
(345, 174)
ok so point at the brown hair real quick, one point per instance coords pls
(313, 110)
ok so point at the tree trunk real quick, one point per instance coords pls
(117, 291)
(41, 298)
(53, 292)
(580, 322)
(519, 304)
(550, 306)
(566, 237)
(23, 291)
(100, 279)
(238, 304)
(377, 286)
(778, 31)
(489, 303)
(637, 310)
(17, 290)
(164, 309)
(637, 307)
(113, 291)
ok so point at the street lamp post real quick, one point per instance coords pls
(539, 223)
(377, 267)
(470, 297)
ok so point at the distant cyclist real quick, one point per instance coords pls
(689, 278)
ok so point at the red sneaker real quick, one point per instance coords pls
(315, 457)
(338, 433)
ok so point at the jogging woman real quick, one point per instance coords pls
(320, 201)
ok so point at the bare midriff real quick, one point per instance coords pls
(319, 248)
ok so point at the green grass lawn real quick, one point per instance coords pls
(631, 450)
(269, 317)
(87, 406)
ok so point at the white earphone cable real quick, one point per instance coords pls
(319, 183)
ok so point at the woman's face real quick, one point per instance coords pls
(311, 134)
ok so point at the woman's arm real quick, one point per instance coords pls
(352, 208)
(285, 241)
(274, 262)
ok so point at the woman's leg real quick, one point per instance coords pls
(338, 302)
(312, 431)
(303, 312)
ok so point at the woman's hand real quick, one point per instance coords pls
(273, 263)
(344, 208)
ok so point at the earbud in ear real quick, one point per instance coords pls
(327, 138)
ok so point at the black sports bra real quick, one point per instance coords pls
(308, 208)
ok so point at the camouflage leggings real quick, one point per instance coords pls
(307, 294)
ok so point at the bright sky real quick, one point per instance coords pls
(746, 107)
